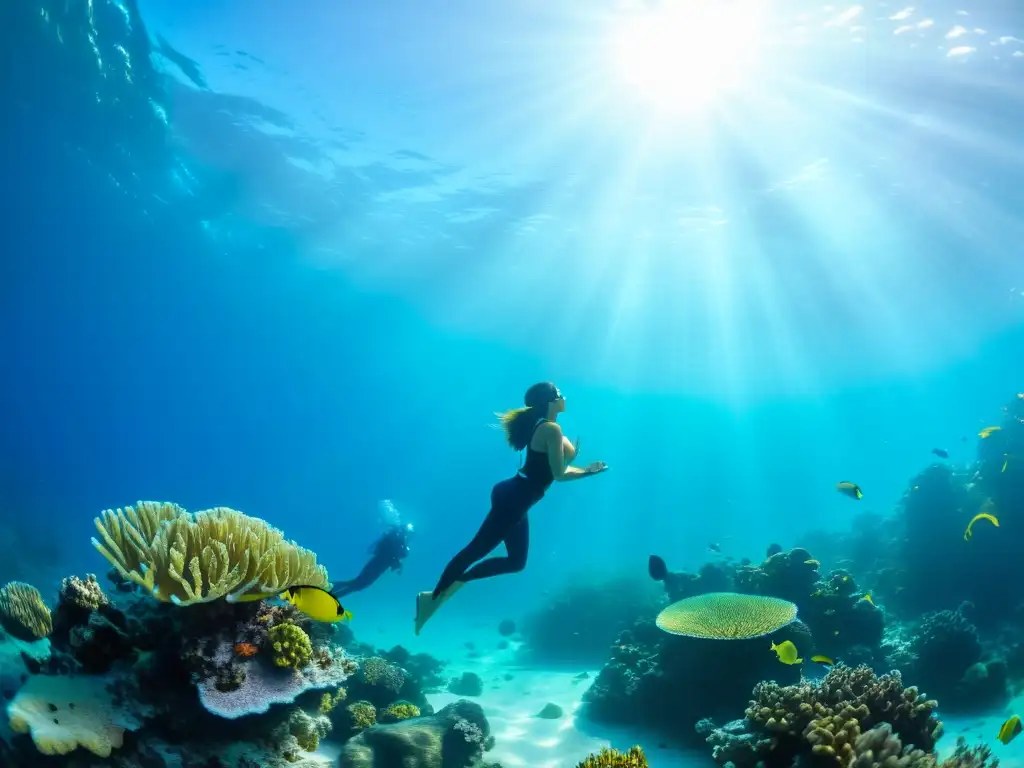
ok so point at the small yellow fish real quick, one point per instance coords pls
(812, 562)
(846, 578)
(1006, 461)
(787, 652)
(318, 604)
(980, 516)
(836, 633)
(849, 489)
(987, 432)
(867, 598)
(823, 660)
(1009, 730)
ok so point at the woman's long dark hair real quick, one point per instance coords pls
(519, 423)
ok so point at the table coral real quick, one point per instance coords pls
(64, 713)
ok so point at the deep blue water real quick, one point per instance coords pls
(291, 262)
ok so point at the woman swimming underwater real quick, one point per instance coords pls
(548, 454)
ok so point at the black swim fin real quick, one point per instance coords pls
(657, 568)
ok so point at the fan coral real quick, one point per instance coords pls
(612, 758)
(290, 645)
(726, 616)
(23, 612)
(196, 558)
(87, 593)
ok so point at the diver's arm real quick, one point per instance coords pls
(560, 469)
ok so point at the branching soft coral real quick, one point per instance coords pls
(196, 558)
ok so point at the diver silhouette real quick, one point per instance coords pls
(387, 553)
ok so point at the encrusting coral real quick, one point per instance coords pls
(23, 612)
(196, 558)
(362, 714)
(376, 671)
(612, 758)
(84, 593)
(290, 645)
(400, 710)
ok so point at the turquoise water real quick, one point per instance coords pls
(291, 259)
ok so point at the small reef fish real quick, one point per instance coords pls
(656, 568)
(713, 547)
(980, 516)
(867, 598)
(987, 432)
(823, 660)
(787, 652)
(318, 604)
(850, 489)
(942, 453)
(1006, 461)
(1009, 730)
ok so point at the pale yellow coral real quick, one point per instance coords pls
(188, 558)
(23, 612)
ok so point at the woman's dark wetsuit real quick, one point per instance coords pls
(506, 522)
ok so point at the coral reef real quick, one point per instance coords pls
(824, 720)
(194, 558)
(23, 612)
(612, 758)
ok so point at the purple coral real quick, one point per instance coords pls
(264, 685)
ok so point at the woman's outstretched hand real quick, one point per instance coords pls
(596, 467)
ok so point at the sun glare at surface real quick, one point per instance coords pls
(682, 56)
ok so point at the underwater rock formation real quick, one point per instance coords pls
(455, 737)
(581, 620)
(651, 677)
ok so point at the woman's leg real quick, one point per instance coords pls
(517, 542)
(506, 512)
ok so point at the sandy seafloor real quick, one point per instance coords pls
(525, 741)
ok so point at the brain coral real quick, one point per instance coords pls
(197, 558)
(726, 616)
(23, 612)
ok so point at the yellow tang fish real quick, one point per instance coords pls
(987, 432)
(787, 652)
(849, 489)
(823, 660)
(867, 598)
(980, 516)
(1009, 730)
(318, 604)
